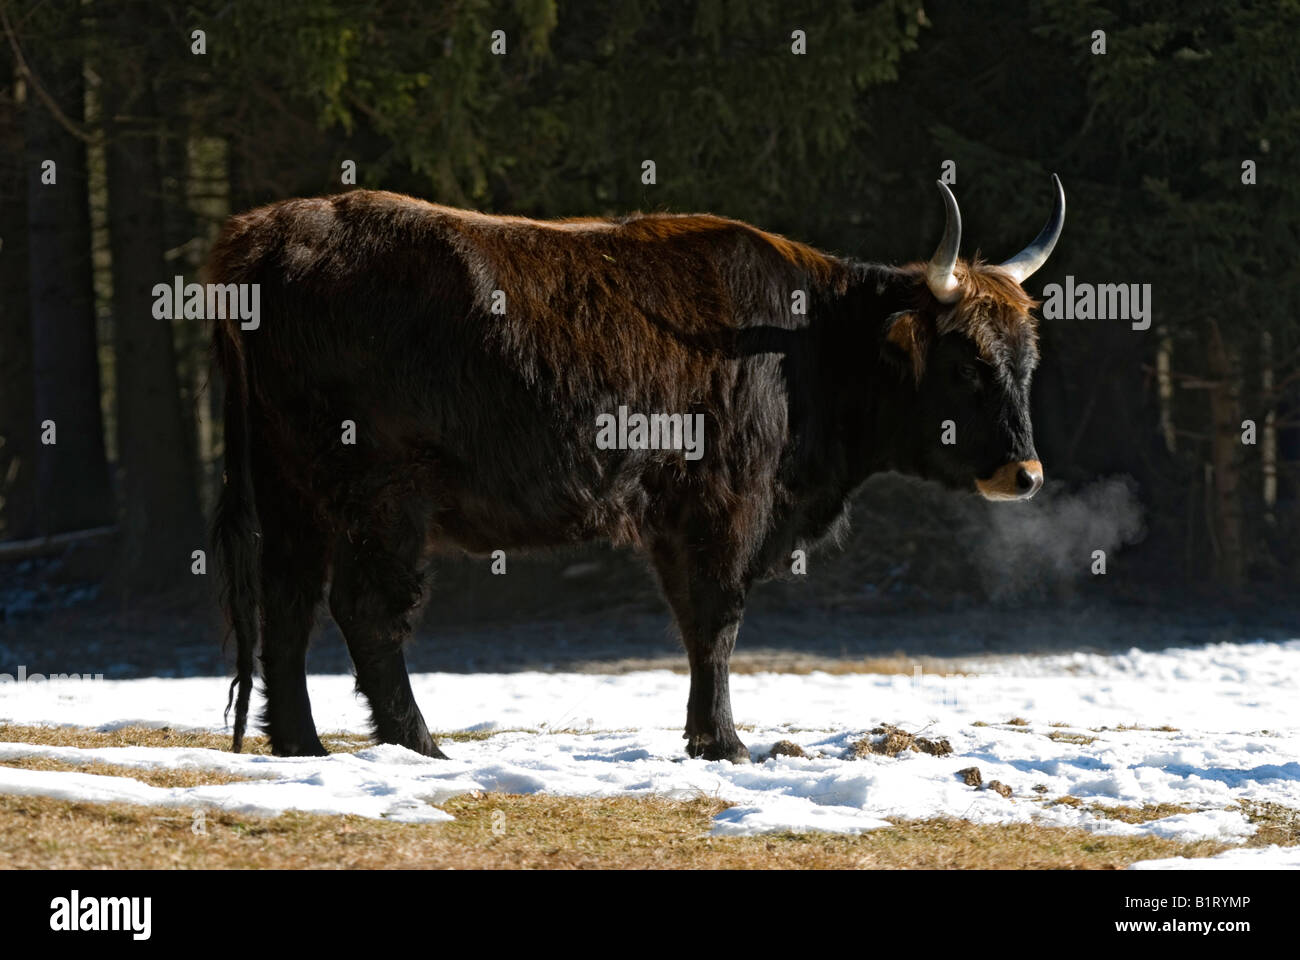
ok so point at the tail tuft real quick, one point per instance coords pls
(235, 530)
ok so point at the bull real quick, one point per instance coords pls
(473, 357)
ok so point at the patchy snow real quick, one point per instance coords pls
(1092, 731)
(1256, 858)
(382, 781)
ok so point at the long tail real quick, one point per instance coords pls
(235, 529)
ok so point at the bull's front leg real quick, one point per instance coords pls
(710, 729)
(708, 614)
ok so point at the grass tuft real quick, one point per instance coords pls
(893, 740)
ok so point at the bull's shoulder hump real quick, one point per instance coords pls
(668, 228)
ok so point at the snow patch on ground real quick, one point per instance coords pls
(1092, 730)
(382, 781)
(1257, 858)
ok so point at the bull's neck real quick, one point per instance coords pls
(867, 403)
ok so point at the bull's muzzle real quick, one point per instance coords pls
(1015, 481)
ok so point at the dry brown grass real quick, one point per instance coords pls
(86, 737)
(1273, 822)
(894, 740)
(1080, 739)
(794, 662)
(1128, 814)
(504, 831)
(1014, 725)
(153, 776)
(1143, 814)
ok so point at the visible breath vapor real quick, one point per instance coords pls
(1038, 544)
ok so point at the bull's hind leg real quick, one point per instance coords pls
(708, 608)
(294, 555)
(377, 585)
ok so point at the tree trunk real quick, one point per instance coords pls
(17, 407)
(1268, 433)
(72, 483)
(1225, 414)
(180, 238)
(161, 525)
(1165, 386)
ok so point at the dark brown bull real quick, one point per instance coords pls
(476, 356)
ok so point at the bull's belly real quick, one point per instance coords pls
(476, 526)
(512, 484)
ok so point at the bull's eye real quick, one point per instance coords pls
(969, 372)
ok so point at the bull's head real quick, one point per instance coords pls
(970, 342)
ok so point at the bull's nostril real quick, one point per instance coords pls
(1017, 480)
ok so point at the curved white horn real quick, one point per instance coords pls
(1024, 263)
(939, 273)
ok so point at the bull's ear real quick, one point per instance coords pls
(906, 341)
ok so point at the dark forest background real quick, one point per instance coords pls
(1140, 431)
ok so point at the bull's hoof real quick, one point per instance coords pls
(435, 752)
(312, 748)
(423, 745)
(706, 747)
